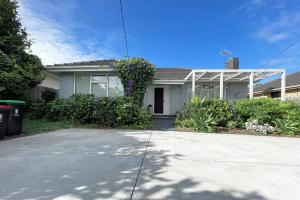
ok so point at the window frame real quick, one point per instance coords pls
(102, 82)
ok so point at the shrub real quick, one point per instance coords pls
(36, 109)
(127, 111)
(266, 110)
(48, 95)
(80, 108)
(186, 123)
(143, 121)
(191, 108)
(232, 124)
(221, 110)
(263, 110)
(57, 110)
(104, 112)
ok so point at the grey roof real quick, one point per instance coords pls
(171, 73)
(291, 80)
(109, 62)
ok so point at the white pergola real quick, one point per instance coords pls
(235, 75)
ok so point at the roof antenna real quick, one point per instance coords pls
(226, 54)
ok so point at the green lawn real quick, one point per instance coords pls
(36, 126)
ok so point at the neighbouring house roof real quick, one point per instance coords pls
(292, 81)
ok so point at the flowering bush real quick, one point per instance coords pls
(136, 75)
(254, 126)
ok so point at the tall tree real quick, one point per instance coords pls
(19, 69)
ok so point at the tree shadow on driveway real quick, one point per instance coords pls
(80, 164)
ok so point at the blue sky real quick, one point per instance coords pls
(188, 33)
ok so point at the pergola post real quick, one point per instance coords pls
(193, 84)
(221, 85)
(251, 86)
(283, 74)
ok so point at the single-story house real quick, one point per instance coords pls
(272, 89)
(171, 88)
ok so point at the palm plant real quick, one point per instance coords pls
(204, 122)
(287, 126)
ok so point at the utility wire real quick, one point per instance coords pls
(124, 29)
(280, 53)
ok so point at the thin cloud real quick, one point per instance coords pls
(55, 42)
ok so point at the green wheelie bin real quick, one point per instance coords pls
(15, 116)
(4, 115)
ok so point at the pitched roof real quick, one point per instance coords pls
(109, 62)
(291, 80)
(171, 73)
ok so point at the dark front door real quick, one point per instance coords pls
(159, 100)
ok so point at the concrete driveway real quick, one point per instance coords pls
(80, 164)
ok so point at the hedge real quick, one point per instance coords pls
(87, 109)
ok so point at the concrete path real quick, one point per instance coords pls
(165, 124)
(81, 164)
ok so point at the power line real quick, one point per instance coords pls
(124, 30)
(280, 53)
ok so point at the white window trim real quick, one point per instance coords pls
(107, 83)
(74, 83)
(91, 82)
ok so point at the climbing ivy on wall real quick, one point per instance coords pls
(136, 75)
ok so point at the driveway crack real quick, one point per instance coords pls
(140, 167)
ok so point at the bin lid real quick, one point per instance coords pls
(5, 107)
(13, 102)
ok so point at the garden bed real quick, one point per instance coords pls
(235, 131)
(262, 116)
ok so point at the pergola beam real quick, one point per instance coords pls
(235, 75)
(193, 84)
(221, 85)
(238, 70)
(251, 74)
(189, 75)
(214, 77)
(202, 74)
(275, 71)
(251, 85)
(267, 75)
(283, 83)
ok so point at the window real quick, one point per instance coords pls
(210, 90)
(82, 83)
(115, 87)
(106, 85)
(275, 94)
(99, 85)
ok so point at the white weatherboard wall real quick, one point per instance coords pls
(238, 91)
(50, 81)
(149, 98)
(176, 100)
(66, 82)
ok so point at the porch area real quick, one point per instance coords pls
(223, 76)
